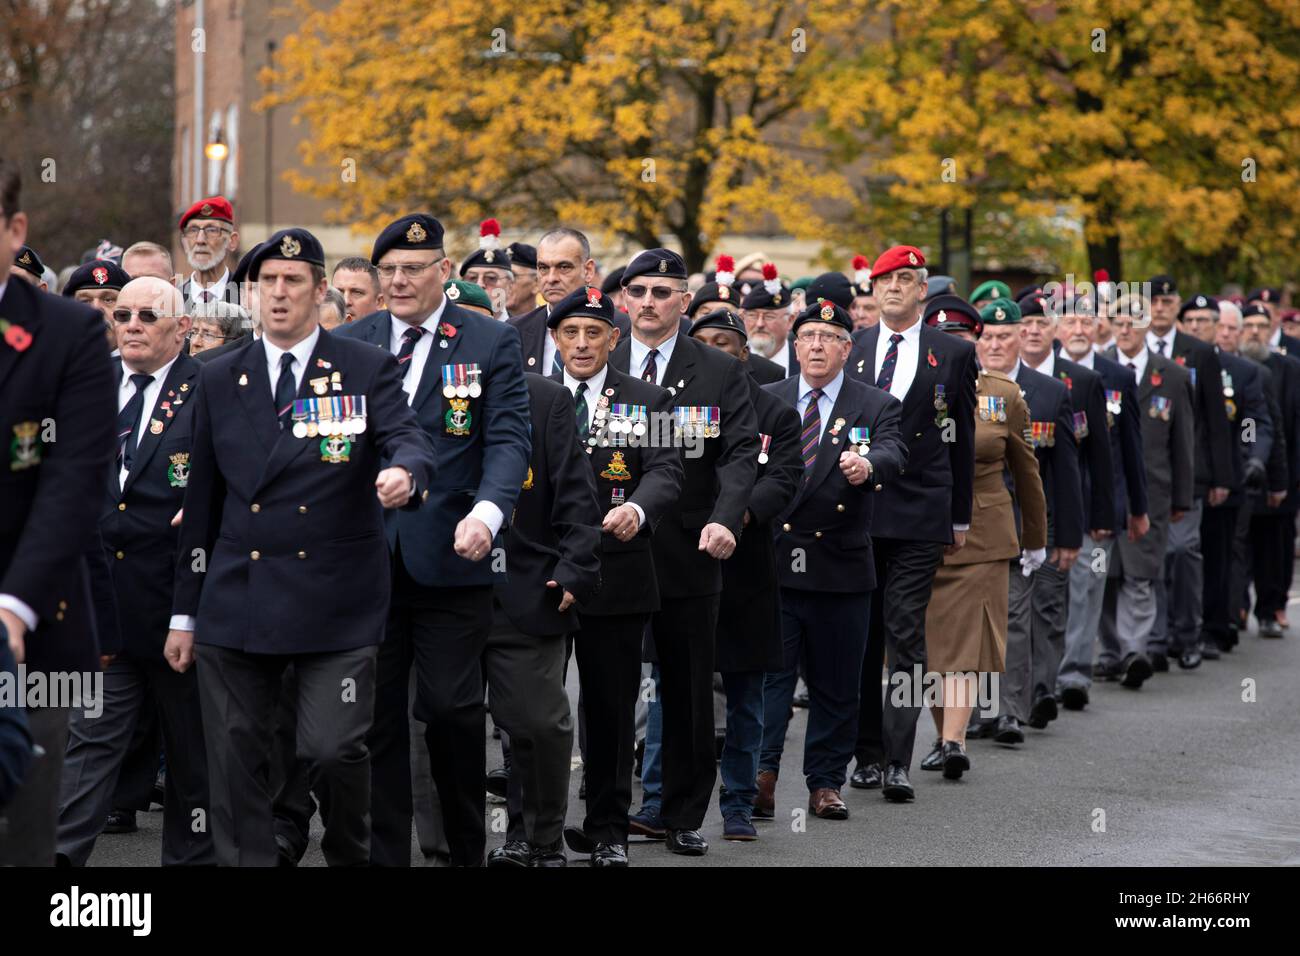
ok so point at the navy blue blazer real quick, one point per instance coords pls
(1246, 404)
(488, 464)
(1215, 441)
(1058, 464)
(1125, 430)
(135, 524)
(830, 520)
(935, 489)
(57, 418)
(1096, 465)
(1285, 382)
(282, 545)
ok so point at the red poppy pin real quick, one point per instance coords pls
(16, 337)
(1069, 383)
(448, 330)
(1156, 379)
(929, 357)
(1181, 360)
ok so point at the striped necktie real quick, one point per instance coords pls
(128, 421)
(580, 409)
(812, 432)
(651, 374)
(886, 376)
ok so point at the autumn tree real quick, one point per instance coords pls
(644, 117)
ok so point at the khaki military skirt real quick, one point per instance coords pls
(966, 621)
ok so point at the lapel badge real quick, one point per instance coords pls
(609, 392)
(532, 360)
(336, 381)
(320, 385)
(155, 427)
(243, 378)
(861, 363)
(185, 386)
(320, 363)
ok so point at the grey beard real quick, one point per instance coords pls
(198, 265)
(1255, 351)
(764, 345)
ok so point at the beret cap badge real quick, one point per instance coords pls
(663, 265)
(828, 312)
(453, 292)
(724, 292)
(1000, 314)
(205, 209)
(25, 259)
(416, 233)
(290, 247)
(593, 297)
(911, 258)
(100, 275)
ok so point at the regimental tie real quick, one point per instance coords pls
(651, 374)
(886, 376)
(128, 421)
(812, 432)
(557, 366)
(1160, 347)
(410, 338)
(580, 408)
(284, 390)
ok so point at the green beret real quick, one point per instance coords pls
(802, 282)
(994, 288)
(467, 293)
(1000, 311)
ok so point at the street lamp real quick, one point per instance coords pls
(217, 151)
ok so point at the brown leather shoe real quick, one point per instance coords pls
(765, 801)
(826, 803)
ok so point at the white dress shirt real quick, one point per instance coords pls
(825, 404)
(1167, 338)
(1275, 340)
(641, 351)
(1048, 366)
(1087, 361)
(595, 387)
(1139, 360)
(909, 353)
(420, 357)
(548, 348)
(782, 357)
(125, 390)
(301, 356)
(217, 289)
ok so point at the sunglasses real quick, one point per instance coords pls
(147, 316)
(662, 293)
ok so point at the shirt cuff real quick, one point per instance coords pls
(489, 514)
(640, 515)
(181, 622)
(961, 527)
(20, 608)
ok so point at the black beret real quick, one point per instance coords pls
(759, 298)
(1163, 285)
(487, 259)
(663, 263)
(825, 311)
(29, 261)
(416, 231)
(96, 274)
(721, 319)
(949, 312)
(586, 302)
(1028, 291)
(834, 286)
(613, 282)
(291, 245)
(1035, 304)
(1253, 308)
(1265, 295)
(522, 254)
(1198, 301)
(241, 270)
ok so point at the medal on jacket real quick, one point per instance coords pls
(985, 407)
(617, 496)
(1114, 405)
(1044, 434)
(1160, 407)
(940, 405)
(765, 444)
(461, 381)
(1080, 426)
(320, 385)
(861, 437)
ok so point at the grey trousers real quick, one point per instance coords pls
(1087, 591)
(1013, 689)
(1128, 616)
(1179, 596)
(29, 823)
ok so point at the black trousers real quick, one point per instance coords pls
(609, 667)
(904, 579)
(293, 806)
(238, 693)
(1272, 538)
(1218, 531)
(684, 633)
(442, 632)
(139, 771)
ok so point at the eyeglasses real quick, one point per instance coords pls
(660, 292)
(490, 280)
(211, 232)
(818, 336)
(211, 336)
(411, 270)
(147, 316)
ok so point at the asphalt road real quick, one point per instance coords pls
(1184, 770)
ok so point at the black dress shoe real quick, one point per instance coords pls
(1043, 712)
(577, 840)
(955, 761)
(934, 759)
(639, 753)
(1074, 698)
(1191, 658)
(497, 781)
(515, 853)
(979, 729)
(609, 854)
(1136, 669)
(800, 699)
(1270, 629)
(1159, 664)
(687, 842)
(120, 821)
(549, 856)
(1105, 670)
(897, 788)
(1209, 650)
(866, 777)
(1008, 730)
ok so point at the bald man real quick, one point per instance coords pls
(143, 491)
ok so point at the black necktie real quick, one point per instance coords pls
(285, 389)
(1160, 347)
(651, 372)
(580, 407)
(886, 376)
(409, 339)
(128, 421)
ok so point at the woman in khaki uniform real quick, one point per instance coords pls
(966, 621)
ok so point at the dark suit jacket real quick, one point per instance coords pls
(488, 464)
(718, 472)
(628, 584)
(554, 533)
(234, 345)
(1096, 465)
(934, 491)
(294, 558)
(533, 334)
(1248, 416)
(1215, 451)
(135, 523)
(763, 371)
(1058, 464)
(1125, 439)
(749, 617)
(57, 417)
(830, 520)
(1285, 382)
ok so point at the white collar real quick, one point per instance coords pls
(218, 288)
(159, 376)
(831, 389)
(429, 325)
(301, 350)
(1048, 365)
(595, 384)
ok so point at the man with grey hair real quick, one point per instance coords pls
(148, 259)
(333, 310)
